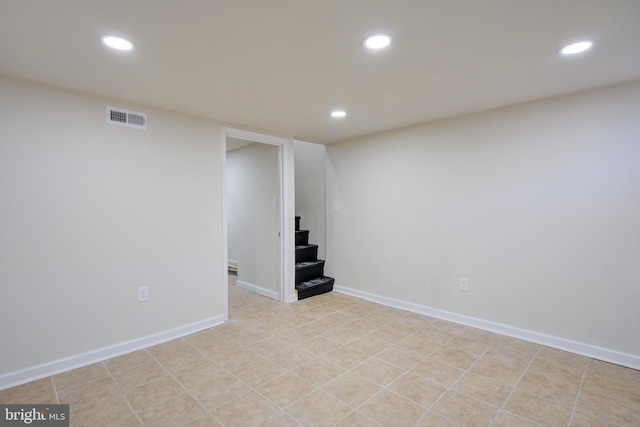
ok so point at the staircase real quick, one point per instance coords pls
(310, 278)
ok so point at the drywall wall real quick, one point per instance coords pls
(310, 192)
(538, 205)
(88, 213)
(253, 216)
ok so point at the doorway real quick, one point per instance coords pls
(255, 214)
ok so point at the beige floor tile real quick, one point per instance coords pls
(514, 344)
(465, 410)
(369, 345)
(128, 361)
(491, 390)
(177, 362)
(469, 345)
(281, 419)
(291, 358)
(201, 373)
(365, 326)
(615, 408)
(154, 392)
(296, 336)
(139, 375)
(317, 326)
(346, 357)
(173, 412)
(551, 370)
(507, 356)
(389, 409)
(352, 389)
(219, 391)
(538, 409)
(318, 345)
(489, 367)
(169, 348)
(248, 410)
(452, 357)
(419, 344)
(88, 393)
(580, 419)
(357, 419)
(549, 388)
(269, 346)
(508, 419)
(107, 412)
(342, 334)
(433, 419)
(573, 363)
(234, 359)
(390, 334)
(286, 389)
(27, 392)
(319, 372)
(205, 420)
(80, 376)
(365, 351)
(615, 385)
(258, 373)
(378, 371)
(439, 372)
(401, 357)
(131, 421)
(417, 389)
(318, 409)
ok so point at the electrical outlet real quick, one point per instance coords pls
(464, 284)
(143, 293)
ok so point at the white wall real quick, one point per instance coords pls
(538, 205)
(253, 222)
(88, 213)
(310, 192)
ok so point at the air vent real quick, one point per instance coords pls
(122, 117)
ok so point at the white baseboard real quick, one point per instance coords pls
(258, 290)
(292, 298)
(77, 361)
(600, 353)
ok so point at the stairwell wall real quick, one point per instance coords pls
(538, 205)
(253, 222)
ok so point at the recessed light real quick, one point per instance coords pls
(117, 42)
(576, 47)
(377, 41)
(338, 113)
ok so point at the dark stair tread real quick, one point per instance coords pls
(320, 285)
(315, 282)
(309, 264)
(306, 246)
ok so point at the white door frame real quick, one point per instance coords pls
(286, 263)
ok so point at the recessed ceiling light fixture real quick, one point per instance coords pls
(338, 113)
(377, 41)
(576, 47)
(116, 42)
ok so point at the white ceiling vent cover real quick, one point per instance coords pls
(122, 117)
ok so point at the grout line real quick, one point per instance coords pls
(575, 402)
(55, 392)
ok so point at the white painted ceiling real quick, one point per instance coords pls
(283, 65)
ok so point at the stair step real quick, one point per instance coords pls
(317, 286)
(302, 237)
(306, 253)
(309, 270)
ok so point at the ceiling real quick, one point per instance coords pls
(282, 65)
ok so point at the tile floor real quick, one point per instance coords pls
(337, 360)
